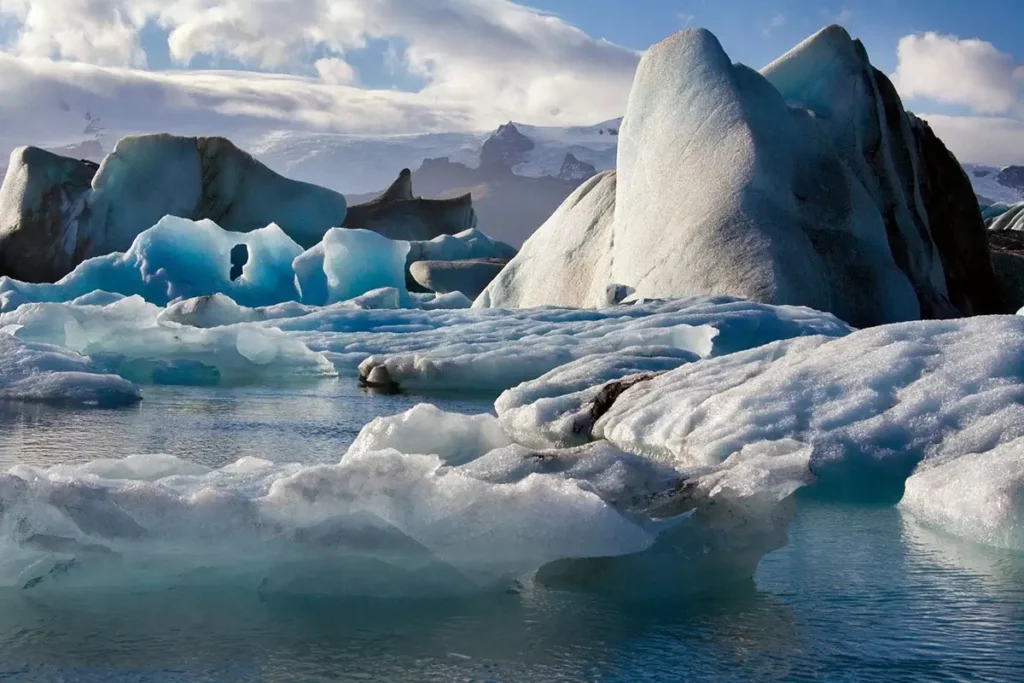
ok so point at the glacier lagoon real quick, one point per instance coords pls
(195, 489)
(861, 592)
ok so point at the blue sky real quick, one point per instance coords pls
(387, 66)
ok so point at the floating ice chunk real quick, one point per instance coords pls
(871, 405)
(179, 258)
(348, 263)
(472, 351)
(42, 373)
(214, 310)
(425, 429)
(127, 337)
(978, 496)
(436, 302)
(468, 244)
(559, 409)
(378, 522)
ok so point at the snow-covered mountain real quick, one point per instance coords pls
(997, 184)
(358, 164)
(518, 173)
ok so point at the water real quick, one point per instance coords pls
(860, 594)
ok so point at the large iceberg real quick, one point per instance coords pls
(42, 373)
(56, 212)
(804, 184)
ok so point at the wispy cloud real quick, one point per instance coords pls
(777, 22)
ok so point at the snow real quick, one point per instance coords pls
(978, 496)
(361, 164)
(489, 350)
(984, 180)
(42, 373)
(870, 405)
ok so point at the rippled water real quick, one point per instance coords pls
(858, 595)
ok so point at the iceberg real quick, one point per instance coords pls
(1009, 218)
(871, 406)
(58, 212)
(559, 409)
(391, 519)
(472, 351)
(181, 259)
(567, 261)
(348, 263)
(128, 338)
(805, 184)
(41, 373)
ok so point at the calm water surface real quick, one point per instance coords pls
(858, 595)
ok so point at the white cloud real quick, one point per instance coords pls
(336, 71)
(482, 61)
(972, 73)
(994, 140)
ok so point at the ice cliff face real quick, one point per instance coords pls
(804, 184)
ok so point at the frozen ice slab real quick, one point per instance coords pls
(871, 405)
(129, 338)
(377, 523)
(348, 263)
(43, 373)
(468, 244)
(489, 350)
(977, 496)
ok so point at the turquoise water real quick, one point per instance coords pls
(859, 594)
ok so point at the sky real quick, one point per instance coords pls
(405, 66)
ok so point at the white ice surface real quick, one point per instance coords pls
(489, 350)
(47, 374)
(556, 411)
(978, 496)
(394, 517)
(871, 405)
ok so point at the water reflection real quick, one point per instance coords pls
(212, 426)
(534, 635)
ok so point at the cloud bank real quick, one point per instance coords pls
(481, 62)
(973, 75)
